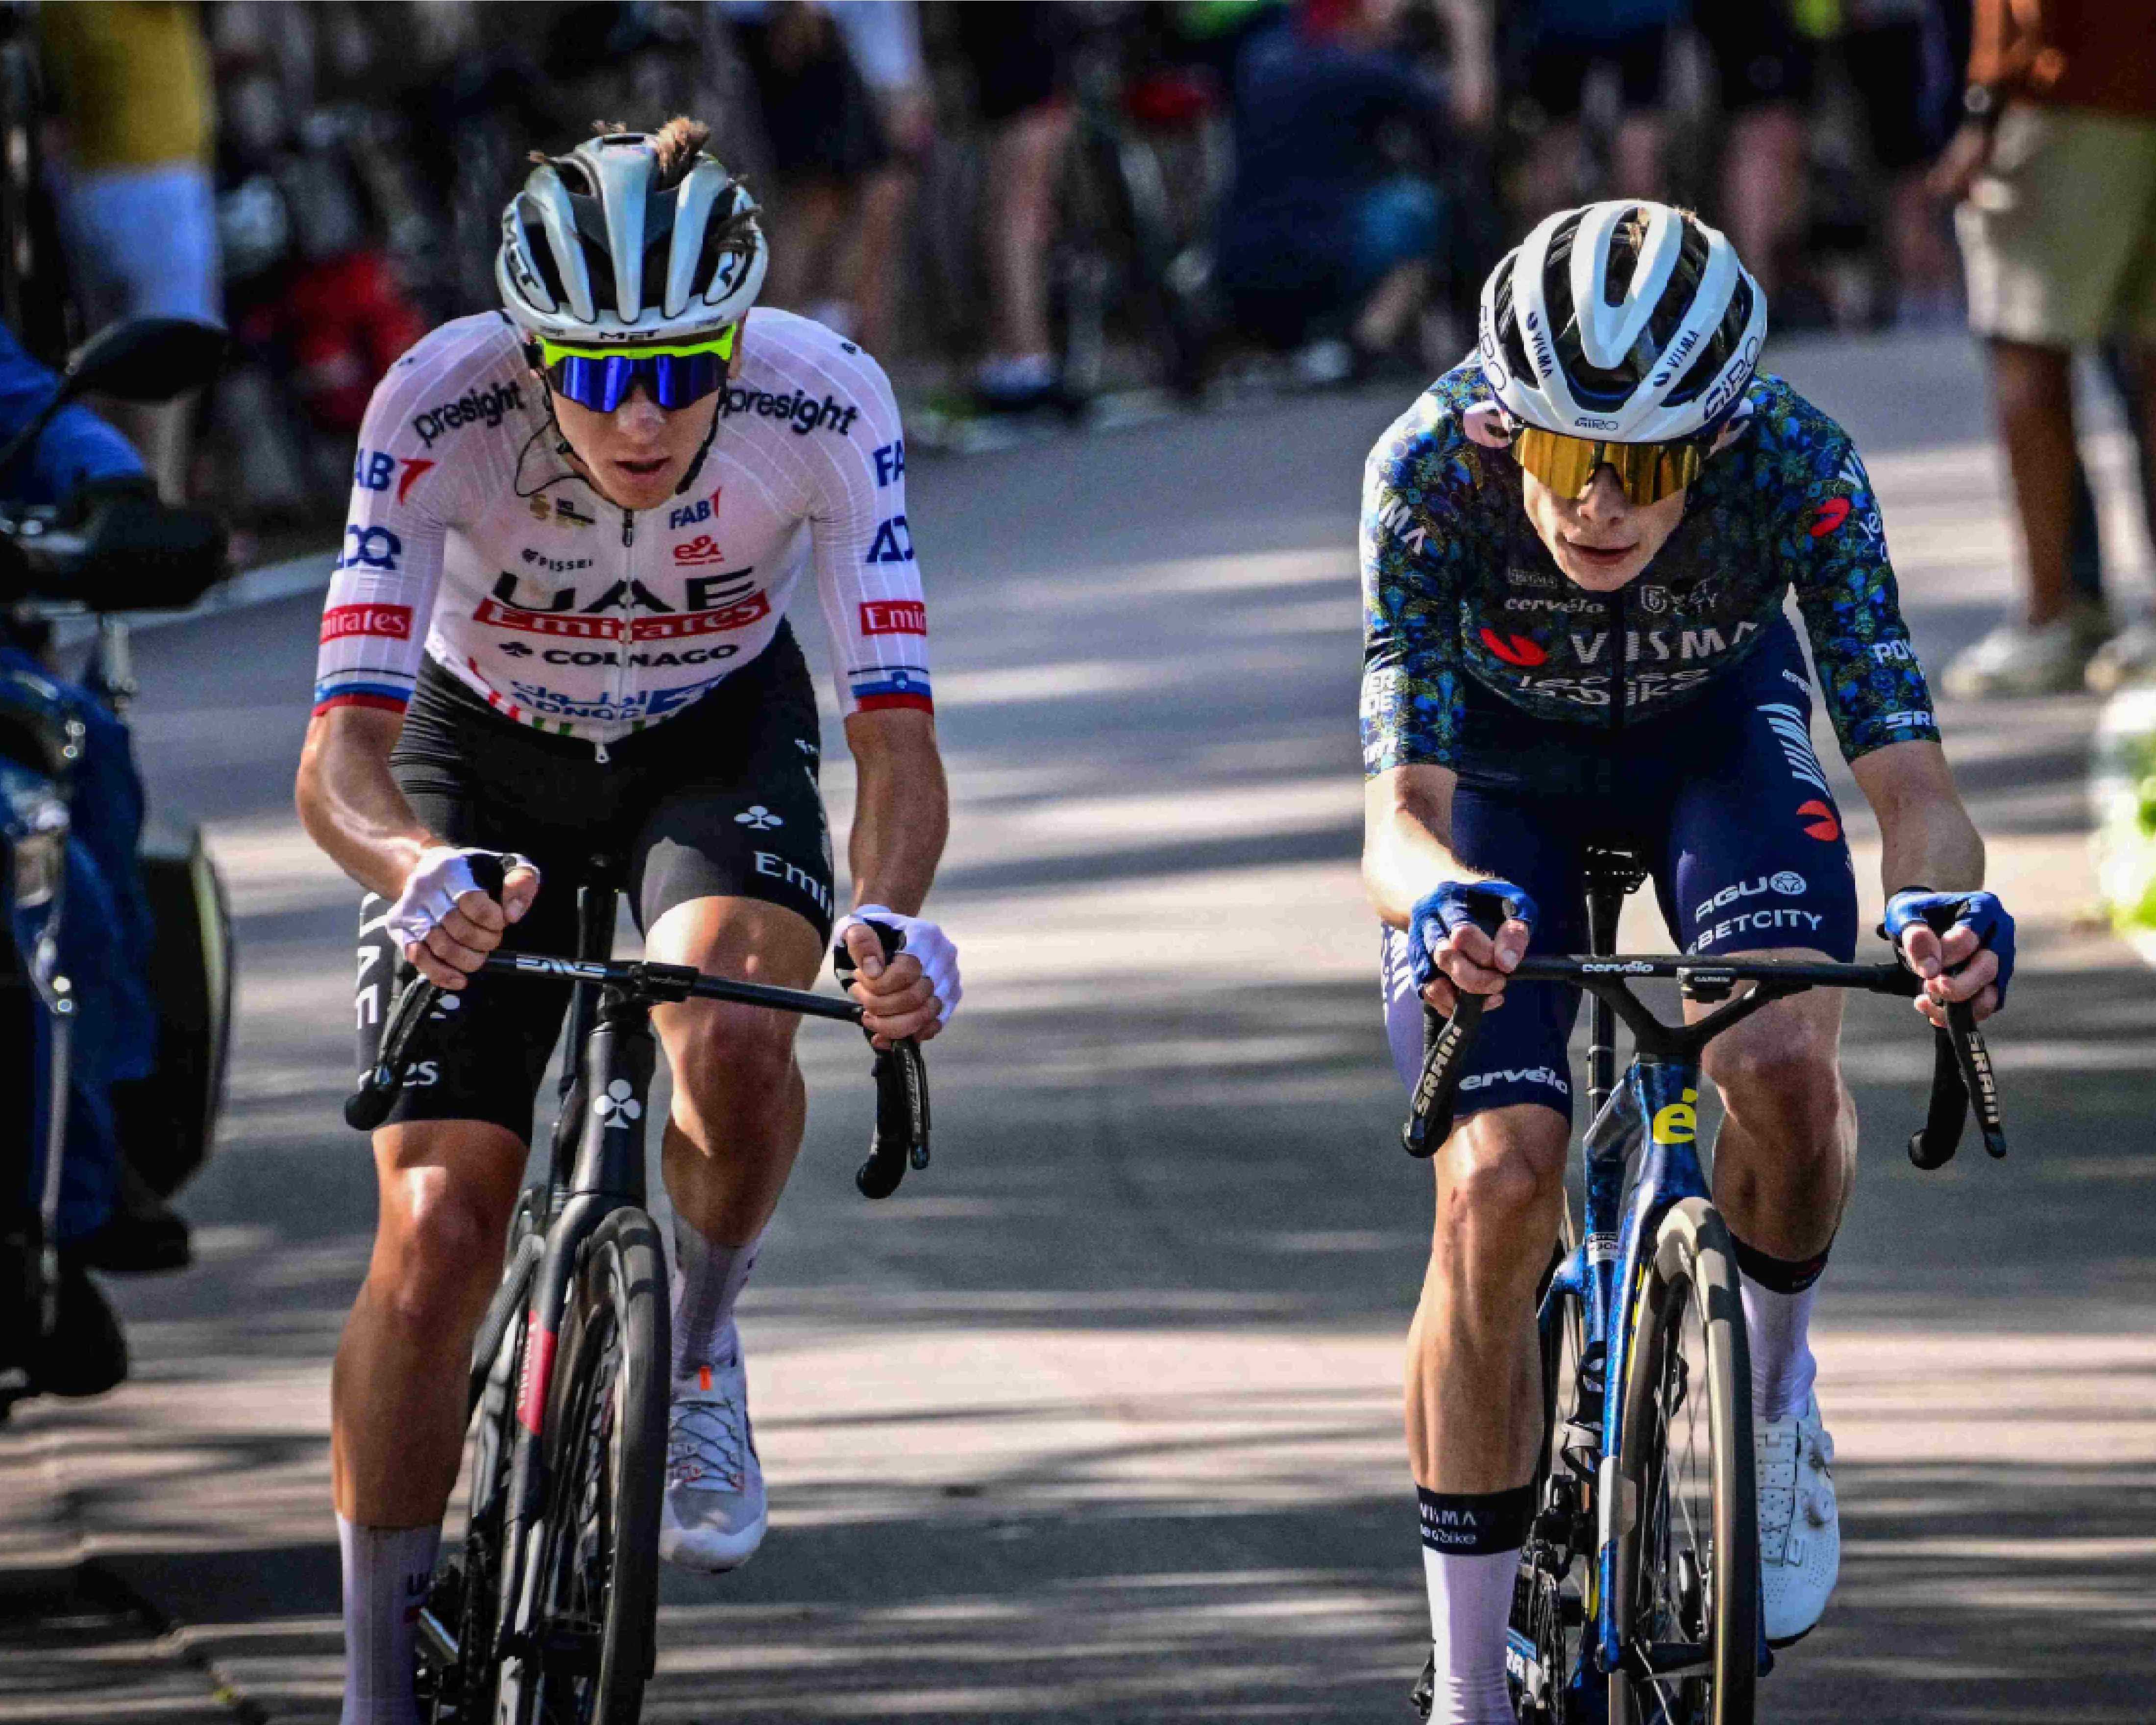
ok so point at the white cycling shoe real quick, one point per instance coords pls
(714, 1514)
(1800, 1529)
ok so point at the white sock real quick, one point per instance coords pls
(1471, 1599)
(708, 1279)
(1470, 1552)
(1778, 1327)
(387, 1571)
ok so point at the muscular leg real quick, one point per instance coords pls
(1787, 1151)
(739, 1103)
(1474, 1390)
(396, 1393)
(1474, 1379)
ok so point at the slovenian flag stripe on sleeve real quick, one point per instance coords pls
(891, 685)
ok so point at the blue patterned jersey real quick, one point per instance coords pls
(1456, 584)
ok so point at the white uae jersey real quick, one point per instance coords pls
(472, 538)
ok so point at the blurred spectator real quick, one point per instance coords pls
(1321, 235)
(1568, 42)
(1764, 73)
(883, 36)
(131, 81)
(1020, 60)
(827, 143)
(1901, 57)
(318, 308)
(2058, 167)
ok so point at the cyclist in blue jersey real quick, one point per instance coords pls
(1576, 547)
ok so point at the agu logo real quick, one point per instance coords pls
(1514, 649)
(1820, 821)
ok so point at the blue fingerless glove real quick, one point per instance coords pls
(1981, 910)
(1450, 906)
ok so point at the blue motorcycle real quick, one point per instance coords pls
(115, 981)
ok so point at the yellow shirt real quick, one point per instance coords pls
(132, 77)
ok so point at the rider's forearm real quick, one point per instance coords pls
(1925, 838)
(901, 808)
(350, 804)
(1406, 833)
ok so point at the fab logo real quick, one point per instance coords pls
(702, 509)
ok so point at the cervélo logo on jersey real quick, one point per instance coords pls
(474, 407)
(393, 621)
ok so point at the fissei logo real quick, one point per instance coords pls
(889, 463)
(1514, 649)
(702, 549)
(371, 548)
(373, 470)
(474, 407)
(392, 621)
(893, 543)
(893, 616)
(702, 509)
(555, 566)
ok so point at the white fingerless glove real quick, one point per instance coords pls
(931, 948)
(441, 876)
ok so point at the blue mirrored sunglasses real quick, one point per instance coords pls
(672, 377)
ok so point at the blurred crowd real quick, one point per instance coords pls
(1022, 207)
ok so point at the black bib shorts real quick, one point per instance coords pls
(721, 800)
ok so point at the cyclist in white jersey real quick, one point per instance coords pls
(557, 633)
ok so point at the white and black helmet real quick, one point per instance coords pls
(1625, 320)
(603, 245)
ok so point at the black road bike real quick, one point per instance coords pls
(1637, 1600)
(546, 1615)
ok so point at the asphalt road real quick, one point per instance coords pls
(1099, 1418)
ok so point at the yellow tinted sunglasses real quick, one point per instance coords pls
(1647, 472)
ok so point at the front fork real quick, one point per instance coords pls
(619, 1057)
(1656, 1100)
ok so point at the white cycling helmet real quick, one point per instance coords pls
(604, 244)
(1627, 321)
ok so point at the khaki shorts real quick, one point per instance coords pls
(2059, 234)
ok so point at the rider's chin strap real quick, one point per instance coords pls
(703, 449)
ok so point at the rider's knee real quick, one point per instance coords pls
(1794, 1079)
(443, 1244)
(732, 1061)
(1504, 1174)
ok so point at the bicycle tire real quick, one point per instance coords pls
(470, 1590)
(1690, 1274)
(597, 1587)
(1543, 1639)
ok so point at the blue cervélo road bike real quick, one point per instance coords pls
(1637, 1600)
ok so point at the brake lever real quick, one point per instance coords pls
(369, 1104)
(900, 1137)
(1963, 1081)
(1446, 1045)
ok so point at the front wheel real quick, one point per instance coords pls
(1686, 1601)
(596, 1594)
